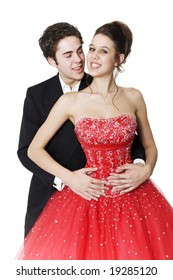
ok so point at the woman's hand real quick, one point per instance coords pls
(85, 186)
(128, 177)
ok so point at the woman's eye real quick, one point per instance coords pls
(104, 51)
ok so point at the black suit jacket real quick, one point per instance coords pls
(63, 147)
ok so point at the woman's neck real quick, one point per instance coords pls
(103, 88)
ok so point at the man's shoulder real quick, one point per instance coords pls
(86, 80)
(44, 84)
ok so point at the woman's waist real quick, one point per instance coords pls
(105, 168)
(103, 172)
(108, 159)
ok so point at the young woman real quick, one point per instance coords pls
(122, 223)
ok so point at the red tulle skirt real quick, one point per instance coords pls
(134, 226)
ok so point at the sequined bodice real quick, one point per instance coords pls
(106, 142)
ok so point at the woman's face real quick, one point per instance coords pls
(101, 56)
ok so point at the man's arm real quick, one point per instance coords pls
(31, 121)
(137, 151)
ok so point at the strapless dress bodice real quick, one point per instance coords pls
(106, 142)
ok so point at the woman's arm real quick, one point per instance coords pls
(145, 133)
(36, 151)
(78, 181)
(130, 176)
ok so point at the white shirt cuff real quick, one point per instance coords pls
(58, 184)
(139, 160)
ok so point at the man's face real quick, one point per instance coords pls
(70, 60)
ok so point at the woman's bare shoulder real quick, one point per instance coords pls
(131, 92)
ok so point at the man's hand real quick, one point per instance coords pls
(128, 177)
(85, 186)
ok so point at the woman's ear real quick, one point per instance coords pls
(51, 61)
(121, 59)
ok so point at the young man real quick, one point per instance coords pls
(61, 45)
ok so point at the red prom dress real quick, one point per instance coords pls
(134, 226)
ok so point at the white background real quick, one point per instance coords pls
(149, 68)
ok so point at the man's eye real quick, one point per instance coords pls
(68, 56)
